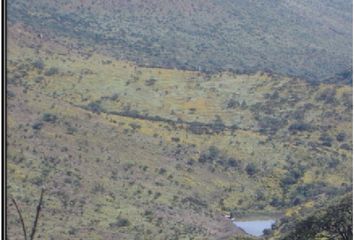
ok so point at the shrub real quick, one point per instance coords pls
(121, 222)
(267, 232)
(260, 195)
(49, 117)
(276, 202)
(232, 103)
(326, 140)
(38, 64)
(196, 201)
(218, 125)
(95, 107)
(150, 82)
(114, 97)
(333, 163)
(37, 125)
(211, 155)
(288, 180)
(157, 195)
(345, 146)
(71, 130)
(231, 162)
(198, 128)
(51, 71)
(299, 127)
(341, 137)
(292, 176)
(134, 126)
(251, 169)
(327, 96)
(39, 79)
(299, 114)
(270, 124)
(162, 171)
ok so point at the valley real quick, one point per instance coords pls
(158, 152)
(180, 119)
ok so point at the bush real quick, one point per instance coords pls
(134, 126)
(121, 222)
(71, 130)
(114, 97)
(341, 137)
(327, 96)
(162, 171)
(51, 71)
(218, 125)
(232, 103)
(326, 140)
(346, 146)
(49, 117)
(276, 202)
(269, 124)
(231, 162)
(39, 79)
(333, 163)
(37, 125)
(251, 169)
(334, 220)
(288, 180)
(267, 232)
(95, 107)
(260, 195)
(196, 202)
(175, 139)
(38, 64)
(210, 156)
(292, 177)
(198, 128)
(299, 127)
(150, 82)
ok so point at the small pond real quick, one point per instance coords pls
(255, 227)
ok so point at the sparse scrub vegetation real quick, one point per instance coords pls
(169, 152)
(51, 71)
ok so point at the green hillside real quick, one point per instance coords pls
(157, 119)
(132, 152)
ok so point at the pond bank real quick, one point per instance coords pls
(255, 224)
(255, 227)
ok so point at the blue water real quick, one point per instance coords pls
(255, 227)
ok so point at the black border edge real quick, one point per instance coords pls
(4, 118)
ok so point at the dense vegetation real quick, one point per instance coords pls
(331, 221)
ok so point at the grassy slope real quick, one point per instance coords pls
(311, 39)
(99, 168)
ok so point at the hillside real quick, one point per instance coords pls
(331, 220)
(307, 39)
(132, 152)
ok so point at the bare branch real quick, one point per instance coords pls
(21, 218)
(39, 207)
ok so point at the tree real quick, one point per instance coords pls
(35, 222)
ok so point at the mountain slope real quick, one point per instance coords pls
(132, 152)
(308, 39)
